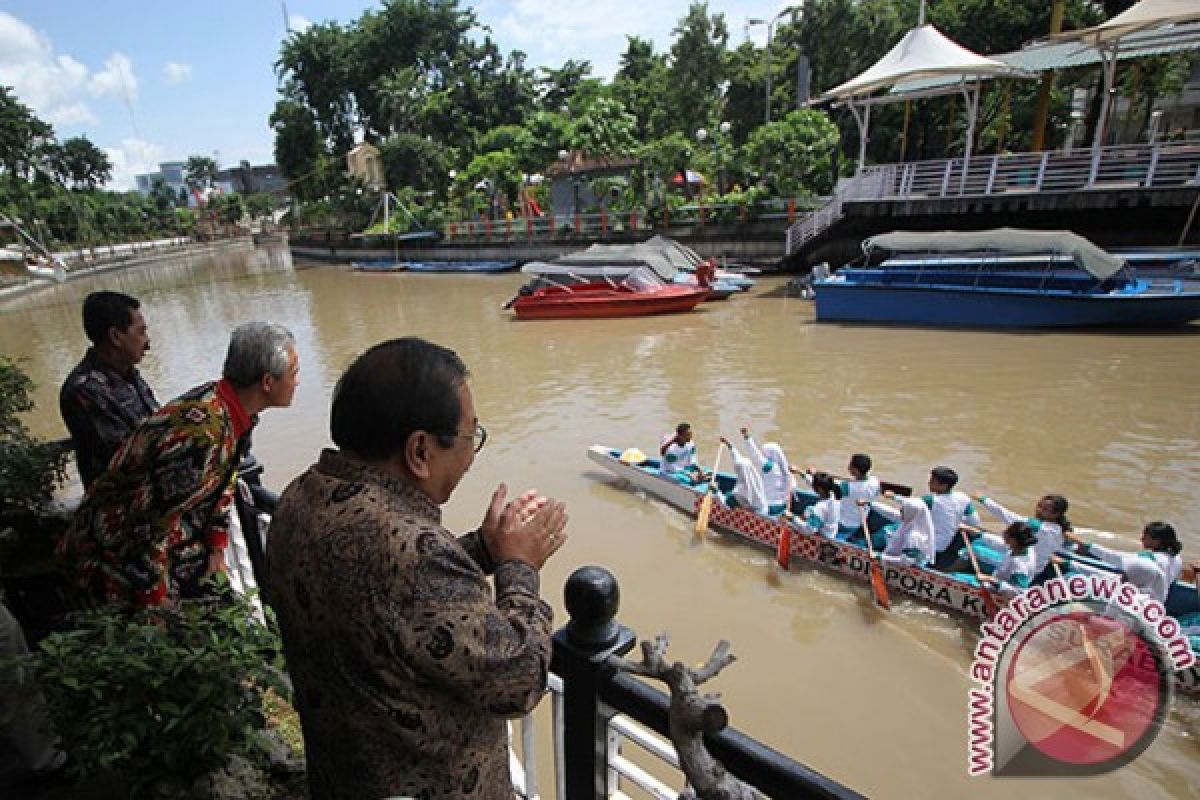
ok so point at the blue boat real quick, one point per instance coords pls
(378, 265)
(460, 266)
(1005, 278)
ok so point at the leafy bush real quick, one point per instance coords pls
(155, 700)
(30, 469)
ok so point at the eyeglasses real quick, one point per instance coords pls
(479, 436)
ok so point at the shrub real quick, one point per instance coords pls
(30, 469)
(155, 700)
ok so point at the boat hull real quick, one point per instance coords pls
(926, 586)
(998, 308)
(487, 267)
(606, 304)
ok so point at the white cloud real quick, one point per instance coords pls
(133, 157)
(298, 23)
(174, 73)
(116, 79)
(56, 86)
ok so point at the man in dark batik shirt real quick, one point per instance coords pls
(104, 398)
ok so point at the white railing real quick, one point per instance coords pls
(623, 773)
(1160, 166)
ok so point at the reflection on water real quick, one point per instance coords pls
(1109, 420)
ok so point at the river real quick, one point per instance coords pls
(878, 701)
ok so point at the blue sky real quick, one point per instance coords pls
(159, 81)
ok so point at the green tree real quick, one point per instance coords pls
(298, 145)
(412, 160)
(604, 128)
(557, 86)
(641, 84)
(200, 172)
(260, 204)
(797, 152)
(548, 133)
(697, 67)
(665, 158)
(315, 66)
(492, 175)
(79, 162)
(23, 137)
(230, 208)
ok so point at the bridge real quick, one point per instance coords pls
(1123, 195)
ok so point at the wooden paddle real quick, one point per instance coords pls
(1093, 657)
(878, 584)
(783, 550)
(706, 503)
(989, 602)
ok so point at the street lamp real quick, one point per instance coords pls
(767, 53)
(701, 135)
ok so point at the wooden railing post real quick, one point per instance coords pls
(581, 651)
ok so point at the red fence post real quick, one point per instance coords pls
(603, 220)
(487, 226)
(701, 216)
(633, 220)
(791, 210)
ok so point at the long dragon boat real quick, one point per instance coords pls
(929, 586)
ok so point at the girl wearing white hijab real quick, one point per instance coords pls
(910, 543)
(777, 479)
(749, 491)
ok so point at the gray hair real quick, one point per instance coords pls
(257, 349)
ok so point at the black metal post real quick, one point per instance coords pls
(580, 651)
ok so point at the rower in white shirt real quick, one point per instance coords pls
(949, 509)
(822, 516)
(1016, 572)
(1161, 547)
(749, 491)
(910, 542)
(678, 453)
(861, 488)
(776, 473)
(1048, 522)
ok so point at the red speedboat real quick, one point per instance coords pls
(640, 294)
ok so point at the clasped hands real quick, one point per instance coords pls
(529, 529)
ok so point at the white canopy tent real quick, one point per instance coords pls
(1107, 36)
(923, 52)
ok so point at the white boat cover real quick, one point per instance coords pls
(924, 52)
(663, 256)
(1143, 15)
(1086, 255)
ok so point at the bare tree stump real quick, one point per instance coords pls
(691, 715)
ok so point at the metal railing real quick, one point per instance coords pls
(605, 224)
(1171, 165)
(598, 710)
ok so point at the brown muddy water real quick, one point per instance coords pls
(878, 701)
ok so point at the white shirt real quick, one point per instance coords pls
(749, 490)
(915, 531)
(677, 457)
(822, 517)
(949, 511)
(776, 475)
(1049, 534)
(1154, 583)
(853, 491)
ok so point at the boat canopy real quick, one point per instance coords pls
(1086, 255)
(663, 256)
